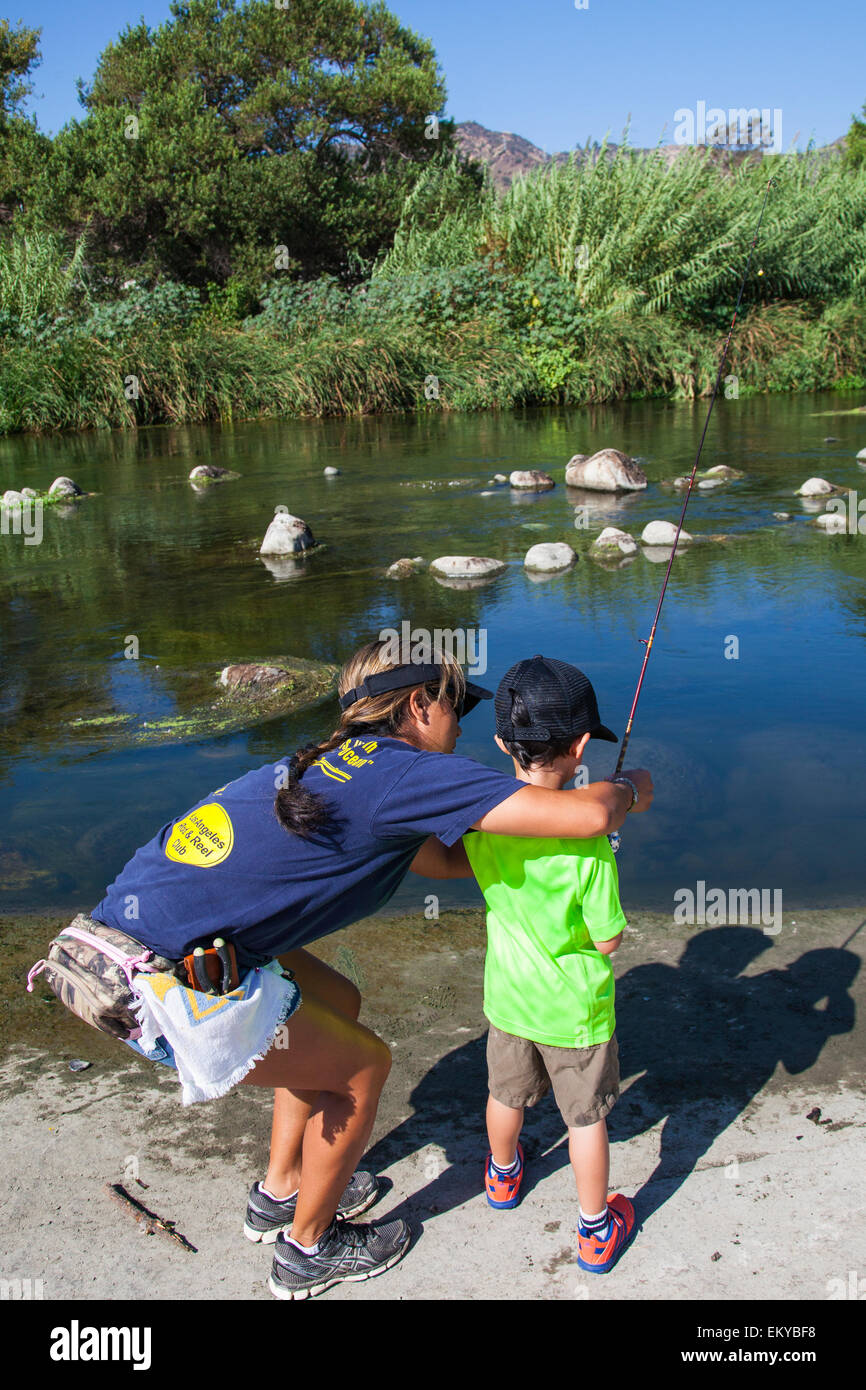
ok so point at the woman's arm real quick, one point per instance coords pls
(435, 860)
(580, 813)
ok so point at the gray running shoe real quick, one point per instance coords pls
(266, 1216)
(346, 1253)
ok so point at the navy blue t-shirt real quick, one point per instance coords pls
(228, 867)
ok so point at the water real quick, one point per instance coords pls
(758, 761)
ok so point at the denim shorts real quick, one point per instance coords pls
(161, 1052)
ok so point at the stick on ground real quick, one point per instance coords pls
(153, 1223)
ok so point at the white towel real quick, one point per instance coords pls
(216, 1038)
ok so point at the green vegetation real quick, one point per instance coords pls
(237, 228)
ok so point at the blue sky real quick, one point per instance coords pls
(559, 75)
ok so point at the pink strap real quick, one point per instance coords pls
(31, 974)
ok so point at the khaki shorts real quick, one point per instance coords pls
(585, 1080)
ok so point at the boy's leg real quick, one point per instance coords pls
(503, 1130)
(589, 1152)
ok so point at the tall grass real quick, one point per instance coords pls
(39, 276)
(636, 235)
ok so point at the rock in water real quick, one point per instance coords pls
(815, 487)
(286, 535)
(466, 566)
(607, 471)
(708, 484)
(549, 556)
(12, 498)
(782, 516)
(65, 487)
(29, 492)
(662, 533)
(721, 470)
(252, 677)
(611, 540)
(501, 478)
(862, 456)
(832, 523)
(405, 568)
(210, 470)
(532, 479)
(331, 472)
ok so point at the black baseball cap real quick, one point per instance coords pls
(399, 677)
(559, 700)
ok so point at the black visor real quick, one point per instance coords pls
(402, 676)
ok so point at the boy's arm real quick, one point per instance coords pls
(599, 900)
(606, 948)
(435, 860)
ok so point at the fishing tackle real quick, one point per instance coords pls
(616, 837)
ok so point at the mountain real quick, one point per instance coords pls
(509, 156)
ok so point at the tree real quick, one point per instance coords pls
(855, 140)
(236, 129)
(22, 149)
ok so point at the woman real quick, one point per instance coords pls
(353, 815)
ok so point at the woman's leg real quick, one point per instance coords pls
(337, 1069)
(293, 1108)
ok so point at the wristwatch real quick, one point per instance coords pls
(627, 782)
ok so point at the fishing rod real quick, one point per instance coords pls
(616, 837)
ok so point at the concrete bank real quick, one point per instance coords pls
(740, 1131)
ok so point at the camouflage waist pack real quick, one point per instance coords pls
(90, 968)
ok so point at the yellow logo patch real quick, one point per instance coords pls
(203, 838)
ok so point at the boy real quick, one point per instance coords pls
(553, 920)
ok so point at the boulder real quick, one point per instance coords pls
(832, 522)
(708, 484)
(782, 516)
(815, 487)
(532, 479)
(662, 533)
(612, 541)
(249, 677)
(607, 471)
(12, 498)
(286, 535)
(65, 487)
(29, 492)
(405, 568)
(503, 478)
(721, 470)
(548, 556)
(331, 472)
(466, 566)
(210, 470)
(862, 456)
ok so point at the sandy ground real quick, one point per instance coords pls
(739, 1133)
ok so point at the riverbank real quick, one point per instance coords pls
(739, 1132)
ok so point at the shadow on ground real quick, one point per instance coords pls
(698, 1042)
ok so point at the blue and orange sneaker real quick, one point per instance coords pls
(503, 1192)
(598, 1256)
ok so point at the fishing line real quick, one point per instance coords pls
(616, 838)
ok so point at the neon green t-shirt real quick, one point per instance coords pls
(548, 901)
